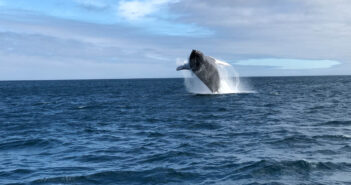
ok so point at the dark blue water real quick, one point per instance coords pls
(293, 130)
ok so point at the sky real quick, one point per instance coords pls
(111, 39)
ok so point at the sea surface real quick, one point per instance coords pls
(290, 130)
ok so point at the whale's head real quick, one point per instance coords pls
(196, 59)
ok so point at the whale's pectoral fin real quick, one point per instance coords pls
(182, 67)
(221, 63)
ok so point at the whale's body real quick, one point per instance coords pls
(205, 68)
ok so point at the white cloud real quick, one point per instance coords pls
(291, 64)
(97, 4)
(134, 10)
(156, 56)
(37, 68)
(155, 17)
(150, 34)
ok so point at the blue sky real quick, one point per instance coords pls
(84, 39)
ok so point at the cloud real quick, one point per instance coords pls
(154, 17)
(317, 29)
(120, 37)
(63, 49)
(38, 68)
(289, 64)
(36, 56)
(136, 9)
(92, 4)
(231, 13)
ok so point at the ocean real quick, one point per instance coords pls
(288, 130)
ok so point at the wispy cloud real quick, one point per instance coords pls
(136, 9)
(92, 4)
(289, 64)
(154, 17)
(140, 38)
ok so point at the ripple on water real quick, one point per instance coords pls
(17, 144)
(336, 123)
(151, 176)
(292, 131)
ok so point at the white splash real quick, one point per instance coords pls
(229, 80)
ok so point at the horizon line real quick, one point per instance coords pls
(146, 78)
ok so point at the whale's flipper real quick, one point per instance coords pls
(221, 63)
(182, 67)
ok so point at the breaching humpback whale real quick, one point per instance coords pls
(205, 68)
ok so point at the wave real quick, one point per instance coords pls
(152, 176)
(332, 137)
(336, 123)
(294, 141)
(257, 172)
(296, 166)
(277, 172)
(97, 106)
(168, 156)
(29, 143)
